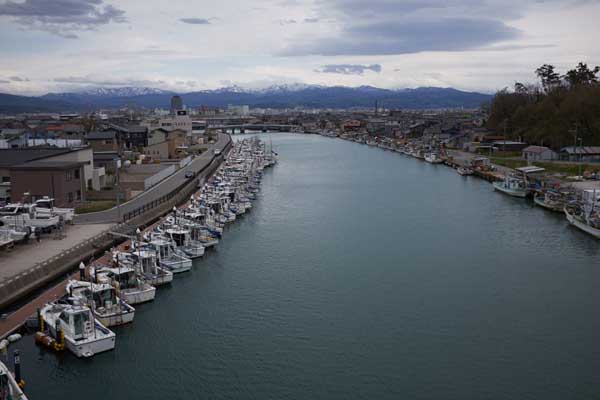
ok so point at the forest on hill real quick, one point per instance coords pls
(553, 112)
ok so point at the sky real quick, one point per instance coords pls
(74, 45)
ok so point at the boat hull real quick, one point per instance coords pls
(90, 348)
(137, 296)
(511, 192)
(116, 319)
(540, 202)
(576, 222)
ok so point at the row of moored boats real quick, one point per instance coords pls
(107, 291)
(581, 208)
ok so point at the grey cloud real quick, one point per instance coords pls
(196, 21)
(311, 20)
(18, 79)
(388, 27)
(62, 17)
(3, 81)
(84, 80)
(348, 69)
(412, 36)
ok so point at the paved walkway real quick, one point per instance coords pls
(25, 256)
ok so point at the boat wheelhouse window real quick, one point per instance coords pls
(104, 296)
(64, 317)
(79, 320)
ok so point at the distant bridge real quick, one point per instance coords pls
(242, 128)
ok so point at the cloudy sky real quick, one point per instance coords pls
(65, 45)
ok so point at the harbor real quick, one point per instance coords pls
(273, 299)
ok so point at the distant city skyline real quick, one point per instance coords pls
(73, 45)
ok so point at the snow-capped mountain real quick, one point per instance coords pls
(128, 91)
(275, 96)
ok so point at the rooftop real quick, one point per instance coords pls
(48, 165)
(10, 157)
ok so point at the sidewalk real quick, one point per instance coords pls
(25, 256)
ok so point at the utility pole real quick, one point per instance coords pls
(580, 155)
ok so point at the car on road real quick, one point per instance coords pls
(189, 174)
(217, 152)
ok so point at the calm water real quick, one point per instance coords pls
(361, 274)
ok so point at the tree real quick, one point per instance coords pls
(582, 75)
(549, 77)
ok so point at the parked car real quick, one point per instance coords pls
(189, 174)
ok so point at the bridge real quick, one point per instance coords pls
(242, 128)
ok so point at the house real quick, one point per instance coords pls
(539, 153)
(177, 143)
(158, 145)
(580, 153)
(61, 180)
(131, 137)
(103, 141)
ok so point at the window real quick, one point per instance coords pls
(70, 197)
(77, 174)
(78, 195)
(69, 175)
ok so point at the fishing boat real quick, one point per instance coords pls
(102, 299)
(45, 205)
(84, 335)
(129, 284)
(145, 258)
(433, 158)
(181, 237)
(512, 185)
(464, 171)
(9, 388)
(585, 215)
(168, 256)
(22, 215)
(551, 200)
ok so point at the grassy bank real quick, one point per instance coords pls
(94, 206)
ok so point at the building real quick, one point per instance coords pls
(103, 141)
(580, 153)
(130, 137)
(91, 177)
(539, 153)
(61, 180)
(242, 110)
(176, 104)
(177, 141)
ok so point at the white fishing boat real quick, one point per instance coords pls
(168, 256)
(464, 171)
(84, 335)
(130, 286)
(22, 215)
(9, 388)
(45, 205)
(145, 258)
(181, 237)
(433, 158)
(512, 186)
(586, 214)
(102, 298)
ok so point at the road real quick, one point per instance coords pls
(170, 184)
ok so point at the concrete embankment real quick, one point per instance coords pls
(177, 190)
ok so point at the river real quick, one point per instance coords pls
(361, 274)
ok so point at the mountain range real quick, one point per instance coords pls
(281, 96)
